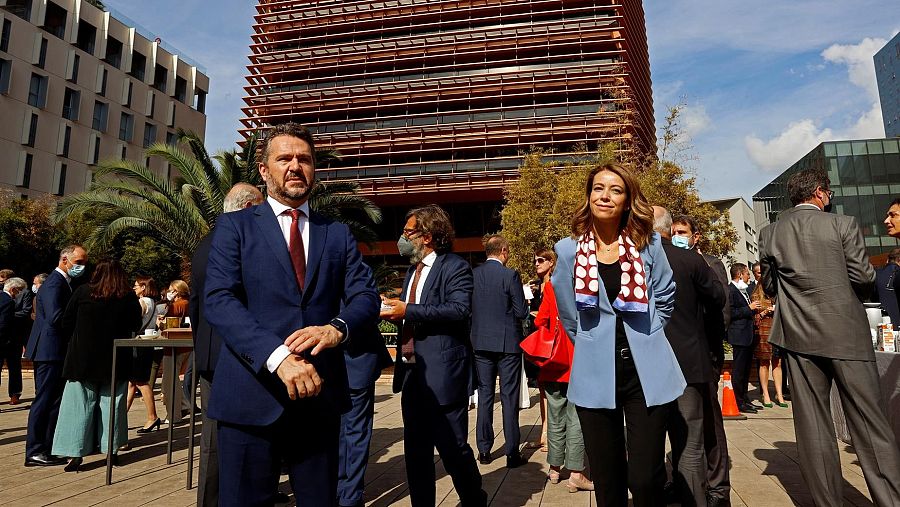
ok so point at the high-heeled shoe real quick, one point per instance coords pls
(580, 484)
(73, 465)
(781, 404)
(153, 427)
(553, 476)
(768, 405)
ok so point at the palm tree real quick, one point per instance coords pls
(128, 196)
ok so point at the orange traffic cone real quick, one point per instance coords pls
(729, 403)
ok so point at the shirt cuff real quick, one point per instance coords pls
(277, 357)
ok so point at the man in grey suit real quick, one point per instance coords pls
(816, 264)
(498, 307)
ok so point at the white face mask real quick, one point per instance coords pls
(740, 284)
(34, 288)
(170, 296)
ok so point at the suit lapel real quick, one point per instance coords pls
(318, 235)
(410, 272)
(268, 225)
(432, 276)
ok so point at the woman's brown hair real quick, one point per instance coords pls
(149, 286)
(638, 216)
(548, 254)
(181, 288)
(109, 281)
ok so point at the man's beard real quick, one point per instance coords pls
(417, 256)
(283, 192)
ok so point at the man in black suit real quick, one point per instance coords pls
(434, 358)
(698, 292)
(740, 334)
(815, 263)
(10, 340)
(47, 349)
(886, 278)
(206, 348)
(498, 307)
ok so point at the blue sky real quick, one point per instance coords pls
(763, 82)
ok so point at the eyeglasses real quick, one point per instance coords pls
(409, 232)
(829, 193)
(539, 260)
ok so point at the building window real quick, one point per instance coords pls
(101, 114)
(181, 89)
(149, 134)
(96, 155)
(200, 100)
(113, 52)
(32, 130)
(71, 104)
(152, 109)
(60, 180)
(55, 20)
(104, 77)
(138, 65)
(5, 75)
(171, 139)
(76, 61)
(129, 94)
(67, 139)
(37, 91)
(87, 36)
(160, 77)
(21, 8)
(126, 128)
(24, 179)
(42, 55)
(4, 38)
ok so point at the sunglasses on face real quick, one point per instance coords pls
(539, 260)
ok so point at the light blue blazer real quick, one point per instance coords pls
(593, 379)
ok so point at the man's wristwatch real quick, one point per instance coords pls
(341, 326)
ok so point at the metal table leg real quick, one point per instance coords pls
(112, 419)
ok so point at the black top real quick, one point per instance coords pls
(93, 324)
(611, 274)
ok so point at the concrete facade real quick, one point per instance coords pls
(743, 219)
(77, 87)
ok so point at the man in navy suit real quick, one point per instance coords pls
(206, 349)
(740, 334)
(434, 358)
(365, 359)
(284, 287)
(498, 307)
(10, 342)
(47, 349)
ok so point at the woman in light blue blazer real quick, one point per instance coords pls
(615, 293)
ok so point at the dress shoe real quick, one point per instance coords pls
(73, 465)
(14, 399)
(280, 497)
(748, 408)
(716, 501)
(153, 427)
(515, 460)
(669, 493)
(43, 460)
(484, 458)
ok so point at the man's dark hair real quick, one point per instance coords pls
(288, 129)
(737, 268)
(494, 244)
(69, 250)
(754, 265)
(688, 221)
(895, 202)
(432, 219)
(894, 255)
(802, 185)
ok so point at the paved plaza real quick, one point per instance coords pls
(764, 471)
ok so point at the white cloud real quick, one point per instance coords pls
(694, 119)
(783, 150)
(859, 62)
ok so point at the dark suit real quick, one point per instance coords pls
(365, 356)
(47, 348)
(206, 353)
(436, 387)
(254, 303)
(10, 343)
(816, 264)
(885, 279)
(498, 308)
(697, 292)
(740, 336)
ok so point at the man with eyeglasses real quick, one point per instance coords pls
(816, 265)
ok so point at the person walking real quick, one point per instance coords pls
(615, 294)
(99, 312)
(815, 264)
(145, 289)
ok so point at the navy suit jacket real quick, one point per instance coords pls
(48, 342)
(366, 355)
(740, 329)
(441, 332)
(206, 341)
(498, 307)
(7, 322)
(253, 302)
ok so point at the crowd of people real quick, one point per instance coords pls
(622, 331)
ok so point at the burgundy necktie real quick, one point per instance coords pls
(295, 245)
(407, 349)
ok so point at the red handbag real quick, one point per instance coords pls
(538, 346)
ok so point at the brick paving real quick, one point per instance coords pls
(764, 469)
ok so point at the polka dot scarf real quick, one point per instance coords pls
(633, 295)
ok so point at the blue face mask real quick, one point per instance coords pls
(76, 270)
(681, 242)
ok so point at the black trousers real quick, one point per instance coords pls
(740, 371)
(208, 482)
(487, 366)
(626, 458)
(12, 355)
(715, 445)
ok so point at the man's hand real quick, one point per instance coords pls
(393, 309)
(315, 338)
(755, 305)
(300, 377)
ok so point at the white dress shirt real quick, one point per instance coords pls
(284, 222)
(428, 261)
